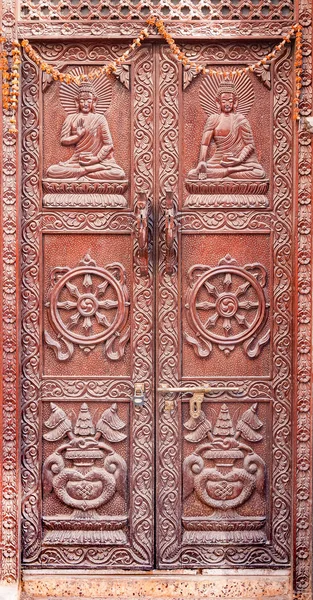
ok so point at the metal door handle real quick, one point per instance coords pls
(197, 396)
(141, 214)
(170, 232)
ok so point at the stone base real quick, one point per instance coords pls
(227, 201)
(9, 591)
(208, 584)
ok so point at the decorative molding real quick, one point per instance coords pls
(30, 335)
(168, 450)
(10, 315)
(185, 10)
(227, 221)
(303, 333)
(86, 221)
(213, 30)
(74, 389)
(282, 312)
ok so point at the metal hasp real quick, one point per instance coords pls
(139, 394)
(197, 398)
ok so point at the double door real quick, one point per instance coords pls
(156, 310)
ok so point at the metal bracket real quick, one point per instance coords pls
(139, 394)
(197, 398)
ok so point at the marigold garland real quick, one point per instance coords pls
(4, 67)
(10, 84)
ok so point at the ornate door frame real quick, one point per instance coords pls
(302, 332)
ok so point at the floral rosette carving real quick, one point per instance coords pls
(227, 306)
(88, 305)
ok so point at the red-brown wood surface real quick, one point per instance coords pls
(202, 272)
(87, 452)
(225, 317)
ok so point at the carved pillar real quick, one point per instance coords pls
(302, 495)
(9, 435)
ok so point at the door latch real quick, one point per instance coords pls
(195, 404)
(139, 394)
(197, 398)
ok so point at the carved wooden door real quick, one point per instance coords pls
(224, 310)
(87, 313)
(201, 273)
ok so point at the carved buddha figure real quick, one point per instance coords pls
(234, 156)
(89, 133)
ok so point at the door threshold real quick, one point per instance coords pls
(231, 584)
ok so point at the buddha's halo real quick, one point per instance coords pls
(244, 91)
(102, 89)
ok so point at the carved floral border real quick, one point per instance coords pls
(140, 552)
(303, 472)
(9, 307)
(179, 29)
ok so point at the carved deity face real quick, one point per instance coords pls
(227, 102)
(86, 102)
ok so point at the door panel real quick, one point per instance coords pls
(87, 459)
(218, 288)
(225, 315)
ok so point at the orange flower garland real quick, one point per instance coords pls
(95, 73)
(181, 56)
(14, 84)
(10, 85)
(4, 67)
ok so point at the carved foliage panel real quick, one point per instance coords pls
(234, 321)
(225, 473)
(85, 500)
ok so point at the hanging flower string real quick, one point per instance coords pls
(95, 73)
(10, 85)
(14, 84)
(228, 74)
(4, 67)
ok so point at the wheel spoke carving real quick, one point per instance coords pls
(78, 316)
(216, 314)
